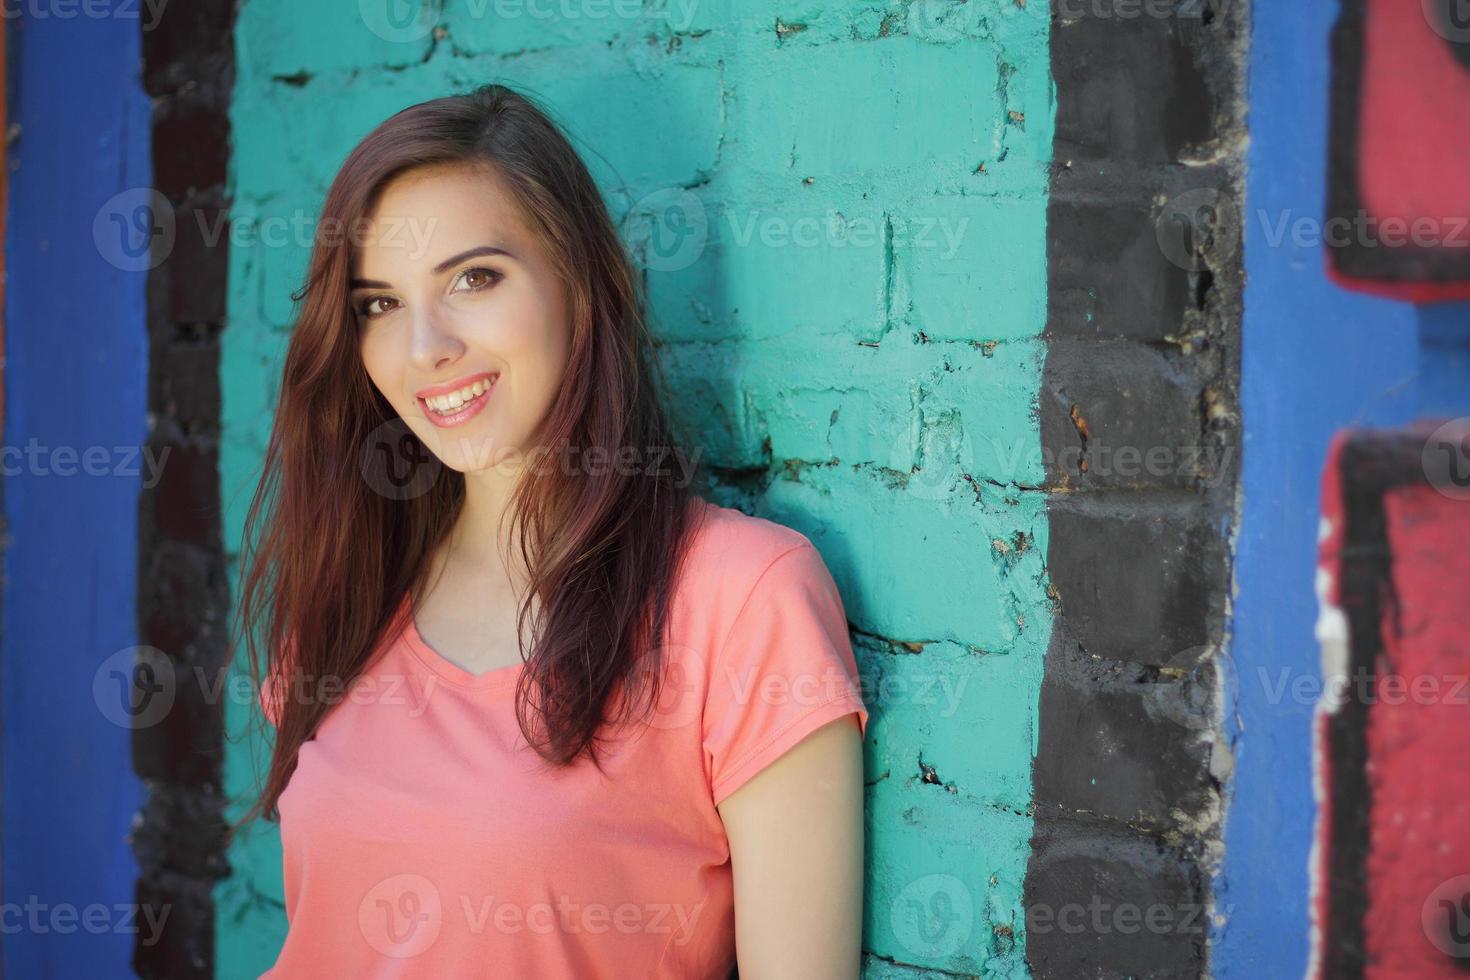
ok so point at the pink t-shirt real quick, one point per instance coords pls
(423, 838)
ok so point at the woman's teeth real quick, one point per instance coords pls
(455, 400)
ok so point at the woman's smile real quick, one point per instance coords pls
(448, 406)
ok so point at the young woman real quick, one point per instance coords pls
(539, 710)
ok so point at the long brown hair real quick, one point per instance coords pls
(330, 558)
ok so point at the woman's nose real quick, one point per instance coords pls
(433, 341)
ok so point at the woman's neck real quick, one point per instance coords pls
(481, 542)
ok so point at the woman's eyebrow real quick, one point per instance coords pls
(448, 263)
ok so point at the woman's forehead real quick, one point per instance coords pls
(423, 218)
(456, 197)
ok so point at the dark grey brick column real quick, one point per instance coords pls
(1140, 423)
(183, 600)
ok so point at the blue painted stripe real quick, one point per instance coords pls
(75, 378)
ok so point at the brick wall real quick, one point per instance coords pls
(182, 590)
(1140, 424)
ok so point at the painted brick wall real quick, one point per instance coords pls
(856, 342)
(1388, 885)
(183, 595)
(1317, 359)
(1140, 425)
(70, 475)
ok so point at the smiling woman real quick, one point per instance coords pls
(633, 712)
(434, 337)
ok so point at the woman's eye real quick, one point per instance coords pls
(365, 307)
(475, 279)
(479, 277)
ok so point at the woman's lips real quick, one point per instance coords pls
(452, 386)
(462, 414)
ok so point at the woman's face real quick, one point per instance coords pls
(463, 323)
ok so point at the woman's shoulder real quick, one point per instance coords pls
(740, 544)
(731, 552)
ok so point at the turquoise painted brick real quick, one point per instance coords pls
(280, 37)
(815, 22)
(812, 422)
(944, 883)
(298, 145)
(954, 707)
(904, 104)
(750, 261)
(915, 568)
(969, 264)
(968, 407)
(770, 266)
(506, 27)
(282, 258)
(254, 124)
(1008, 31)
(995, 396)
(704, 399)
(819, 21)
(638, 133)
(249, 386)
(298, 136)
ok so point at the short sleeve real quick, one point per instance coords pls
(785, 669)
